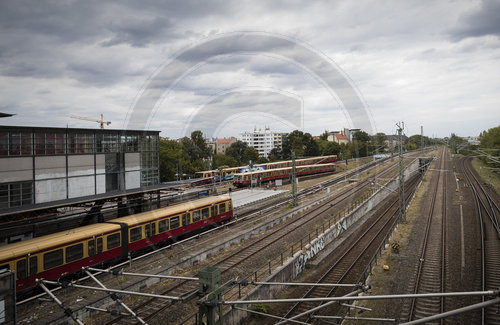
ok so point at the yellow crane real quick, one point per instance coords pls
(101, 121)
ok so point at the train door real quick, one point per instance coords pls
(150, 230)
(32, 269)
(91, 251)
(21, 272)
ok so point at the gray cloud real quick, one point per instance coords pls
(481, 22)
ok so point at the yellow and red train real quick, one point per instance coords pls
(245, 179)
(53, 256)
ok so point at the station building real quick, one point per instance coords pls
(40, 164)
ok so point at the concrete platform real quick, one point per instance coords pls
(245, 197)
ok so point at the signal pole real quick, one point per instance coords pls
(402, 204)
(422, 139)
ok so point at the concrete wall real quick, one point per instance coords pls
(132, 170)
(16, 169)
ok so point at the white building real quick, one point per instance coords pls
(263, 140)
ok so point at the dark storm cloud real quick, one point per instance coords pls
(484, 21)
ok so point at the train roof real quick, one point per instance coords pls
(37, 244)
(284, 169)
(171, 210)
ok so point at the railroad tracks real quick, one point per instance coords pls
(487, 212)
(431, 271)
(350, 266)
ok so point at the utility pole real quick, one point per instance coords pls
(294, 182)
(402, 204)
(422, 139)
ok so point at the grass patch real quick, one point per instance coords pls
(487, 175)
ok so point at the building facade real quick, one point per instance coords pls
(222, 144)
(263, 140)
(39, 164)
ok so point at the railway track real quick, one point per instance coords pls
(356, 255)
(487, 211)
(431, 272)
(151, 307)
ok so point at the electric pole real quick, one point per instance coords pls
(422, 139)
(402, 204)
(294, 183)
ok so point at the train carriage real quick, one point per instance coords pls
(53, 256)
(245, 179)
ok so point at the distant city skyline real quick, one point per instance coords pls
(434, 64)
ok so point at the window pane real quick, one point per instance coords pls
(174, 222)
(222, 208)
(4, 196)
(15, 144)
(163, 226)
(135, 234)
(21, 269)
(113, 241)
(60, 144)
(52, 259)
(74, 252)
(91, 248)
(153, 229)
(204, 213)
(4, 143)
(99, 245)
(40, 144)
(25, 144)
(147, 229)
(33, 265)
(50, 143)
(185, 219)
(196, 215)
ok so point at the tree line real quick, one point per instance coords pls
(183, 158)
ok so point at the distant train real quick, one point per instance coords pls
(228, 173)
(53, 256)
(245, 179)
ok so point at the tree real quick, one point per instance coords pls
(250, 154)
(301, 143)
(328, 147)
(324, 136)
(224, 161)
(173, 157)
(361, 145)
(236, 151)
(275, 155)
(490, 140)
(379, 141)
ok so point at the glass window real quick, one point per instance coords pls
(113, 241)
(50, 144)
(205, 213)
(33, 265)
(185, 219)
(162, 226)
(59, 144)
(135, 234)
(15, 144)
(174, 222)
(15, 195)
(229, 205)
(147, 229)
(213, 211)
(21, 269)
(91, 247)
(196, 215)
(74, 252)
(52, 259)
(99, 245)
(153, 228)
(4, 196)
(222, 208)
(25, 144)
(4, 143)
(4, 267)
(40, 144)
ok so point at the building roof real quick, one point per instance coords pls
(340, 136)
(224, 140)
(63, 129)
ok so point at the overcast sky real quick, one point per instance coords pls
(315, 66)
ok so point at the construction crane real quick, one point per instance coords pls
(101, 121)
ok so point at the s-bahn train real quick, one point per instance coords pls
(54, 256)
(245, 179)
(228, 173)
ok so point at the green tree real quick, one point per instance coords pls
(250, 154)
(324, 136)
(379, 141)
(236, 150)
(301, 143)
(223, 161)
(173, 157)
(328, 147)
(490, 143)
(275, 155)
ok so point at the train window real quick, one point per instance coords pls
(74, 252)
(91, 247)
(147, 229)
(205, 213)
(5, 267)
(214, 210)
(52, 259)
(99, 245)
(21, 269)
(185, 219)
(174, 222)
(163, 226)
(113, 241)
(196, 215)
(222, 208)
(229, 206)
(135, 234)
(33, 265)
(153, 228)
